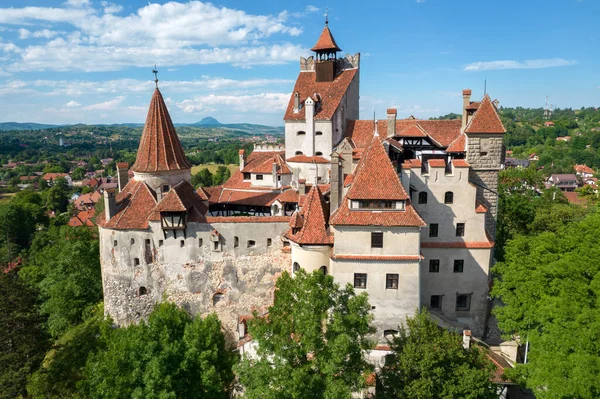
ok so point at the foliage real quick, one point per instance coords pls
(311, 342)
(64, 363)
(550, 286)
(222, 175)
(23, 340)
(202, 179)
(64, 265)
(171, 356)
(431, 362)
(57, 196)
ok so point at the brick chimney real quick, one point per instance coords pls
(110, 204)
(122, 174)
(391, 127)
(296, 102)
(242, 159)
(466, 93)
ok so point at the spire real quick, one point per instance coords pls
(486, 119)
(326, 42)
(313, 225)
(160, 149)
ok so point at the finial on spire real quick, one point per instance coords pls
(326, 16)
(155, 72)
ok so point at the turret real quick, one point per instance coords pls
(326, 55)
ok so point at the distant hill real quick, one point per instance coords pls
(208, 121)
(4, 126)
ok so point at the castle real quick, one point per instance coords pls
(403, 209)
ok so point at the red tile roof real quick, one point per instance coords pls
(134, 205)
(267, 166)
(326, 41)
(459, 244)
(236, 181)
(458, 145)
(203, 194)
(248, 219)
(486, 119)
(288, 196)
(437, 163)
(460, 163)
(375, 177)
(480, 208)
(182, 198)
(122, 165)
(83, 218)
(412, 131)
(221, 195)
(344, 216)
(160, 149)
(314, 225)
(307, 159)
(377, 257)
(411, 164)
(584, 169)
(330, 93)
(54, 176)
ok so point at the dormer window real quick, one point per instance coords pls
(172, 220)
(298, 152)
(246, 176)
(165, 188)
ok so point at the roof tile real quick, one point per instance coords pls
(486, 119)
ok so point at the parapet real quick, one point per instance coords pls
(269, 147)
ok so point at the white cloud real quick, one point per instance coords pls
(310, 8)
(24, 33)
(512, 64)
(72, 104)
(111, 8)
(45, 33)
(17, 16)
(77, 3)
(106, 105)
(264, 103)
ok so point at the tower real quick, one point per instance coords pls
(325, 55)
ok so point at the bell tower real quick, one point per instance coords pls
(325, 55)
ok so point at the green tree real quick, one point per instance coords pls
(78, 173)
(430, 362)
(203, 178)
(23, 339)
(311, 343)
(64, 264)
(550, 287)
(57, 197)
(170, 356)
(221, 176)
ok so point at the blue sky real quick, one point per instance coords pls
(90, 61)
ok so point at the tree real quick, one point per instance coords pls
(203, 178)
(170, 356)
(64, 265)
(23, 339)
(431, 362)
(78, 173)
(221, 176)
(550, 287)
(311, 343)
(57, 197)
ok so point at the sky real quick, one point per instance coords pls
(91, 61)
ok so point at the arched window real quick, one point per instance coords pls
(323, 269)
(142, 291)
(132, 241)
(448, 197)
(301, 133)
(318, 153)
(296, 267)
(236, 241)
(298, 152)
(423, 197)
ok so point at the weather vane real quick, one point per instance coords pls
(155, 72)
(326, 16)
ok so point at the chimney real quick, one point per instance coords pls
(122, 175)
(296, 102)
(242, 159)
(274, 173)
(110, 204)
(336, 181)
(302, 186)
(391, 127)
(466, 102)
(313, 173)
(466, 339)
(309, 104)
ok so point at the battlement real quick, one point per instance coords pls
(348, 62)
(269, 147)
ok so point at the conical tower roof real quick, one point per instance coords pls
(486, 119)
(326, 42)
(160, 149)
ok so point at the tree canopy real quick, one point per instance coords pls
(311, 342)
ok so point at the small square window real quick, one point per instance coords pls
(115, 243)
(132, 241)
(216, 245)
(435, 302)
(246, 176)
(434, 266)
(259, 177)
(449, 197)
(433, 230)
(165, 188)
(200, 242)
(423, 197)
(136, 261)
(269, 242)
(376, 239)
(460, 229)
(251, 243)
(459, 265)
(236, 241)
(147, 241)
(182, 243)
(463, 302)
(391, 281)
(160, 243)
(360, 280)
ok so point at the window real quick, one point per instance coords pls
(459, 265)
(360, 280)
(391, 281)
(246, 175)
(142, 291)
(433, 230)
(182, 243)
(251, 243)
(132, 241)
(390, 333)
(278, 177)
(483, 153)
(463, 301)
(435, 302)
(296, 267)
(236, 241)
(298, 152)
(448, 197)
(160, 243)
(115, 243)
(434, 266)
(375, 204)
(136, 261)
(259, 177)
(269, 242)
(147, 241)
(165, 188)
(423, 197)
(318, 153)
(218, 297)
(376, 239)
(300, 133)
(200, 242)
(216, 245)
(318, 133)
(460, 229)
(323, 269)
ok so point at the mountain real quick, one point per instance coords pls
(4, 126)
(208, 121)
